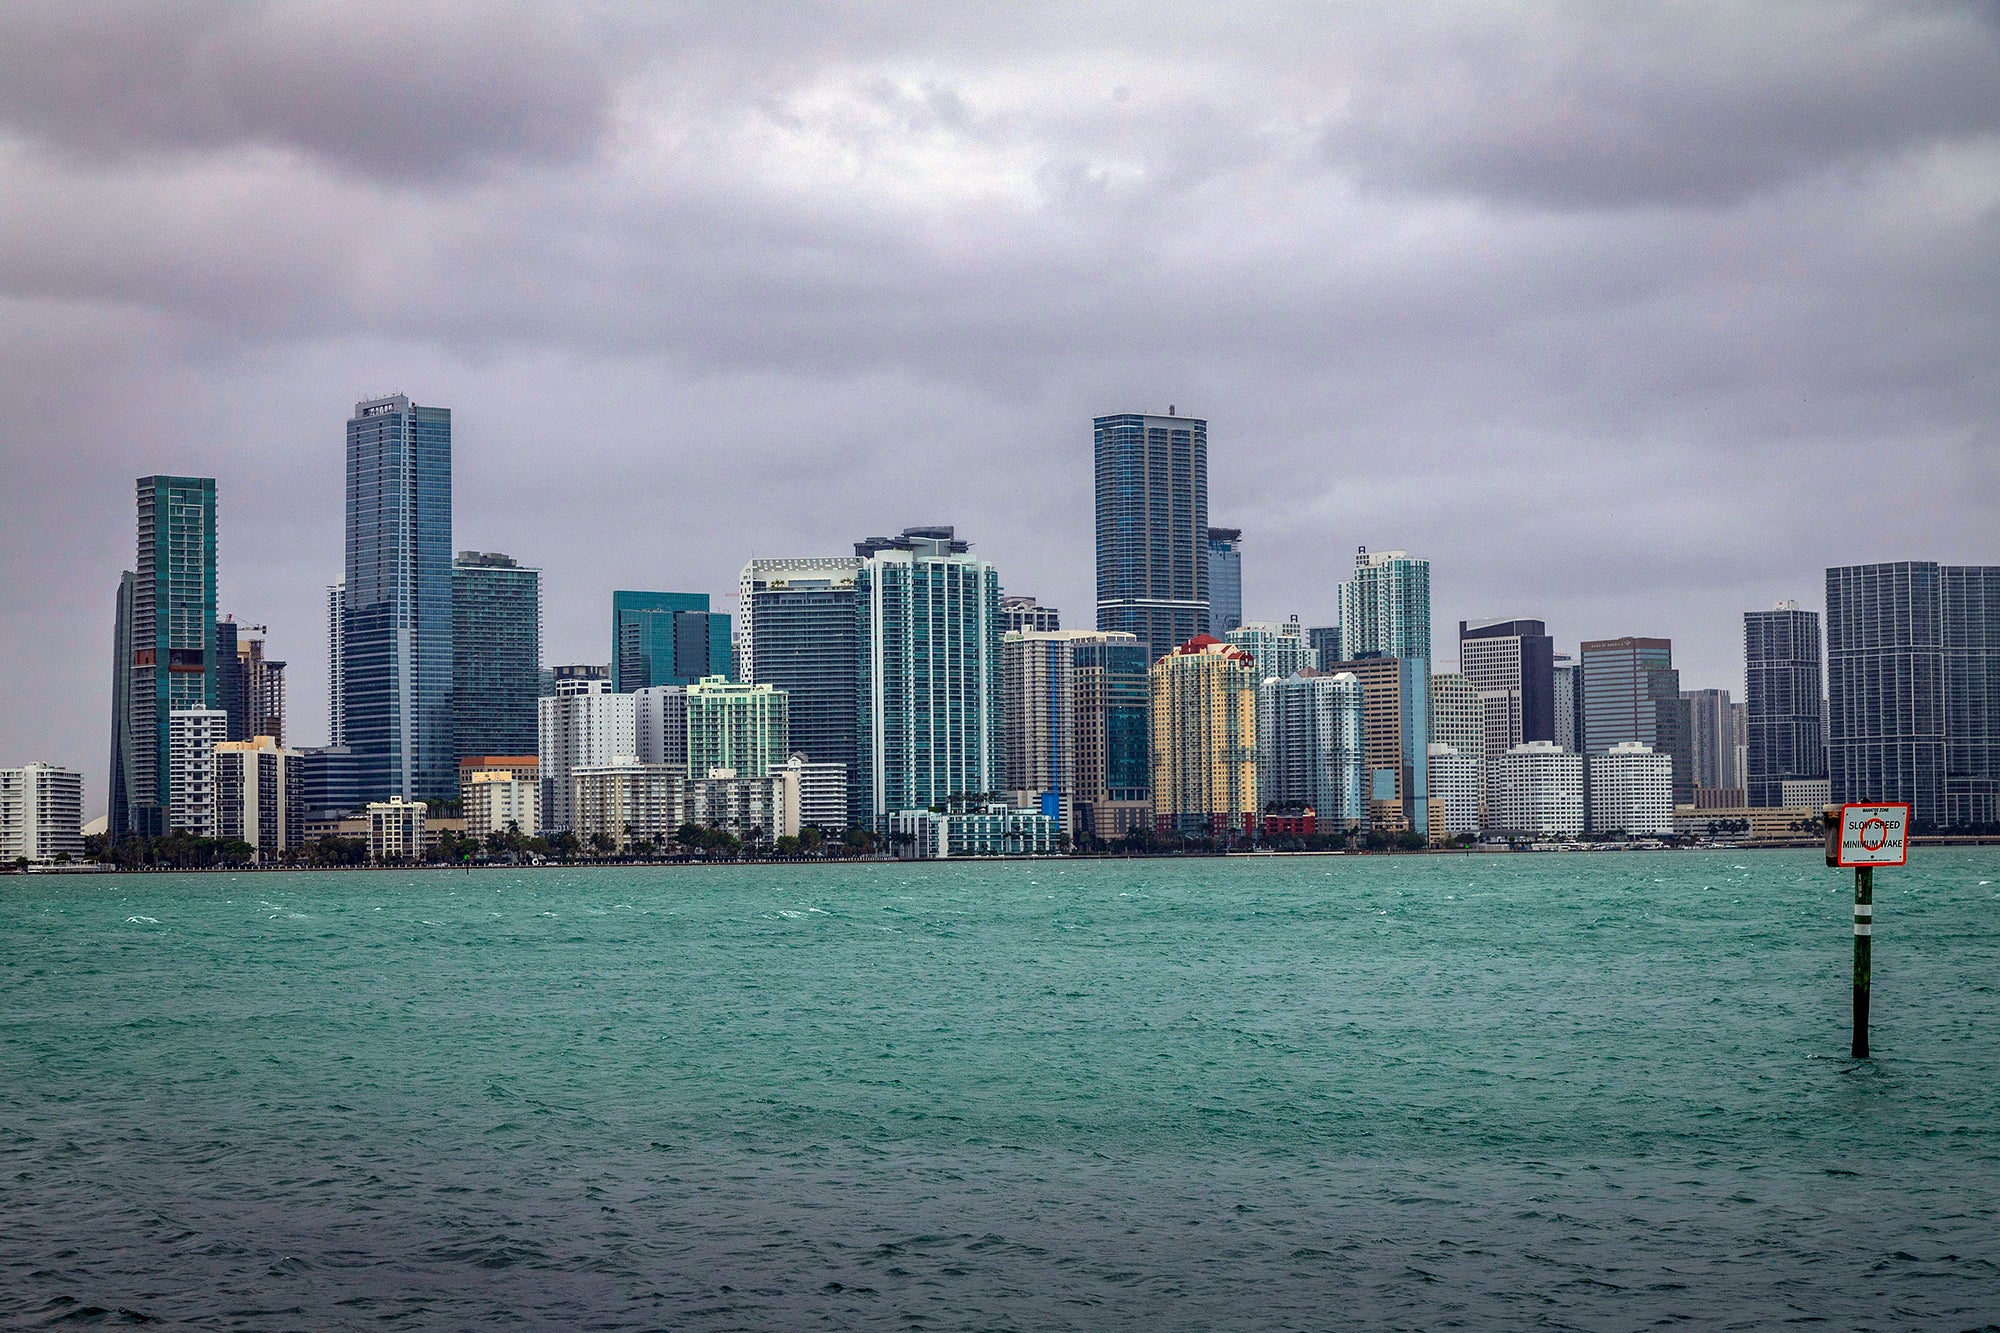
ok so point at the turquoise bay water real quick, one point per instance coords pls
(1556, 1091)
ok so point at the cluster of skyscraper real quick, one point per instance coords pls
(897, 689)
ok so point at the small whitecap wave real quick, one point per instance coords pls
(142, 920)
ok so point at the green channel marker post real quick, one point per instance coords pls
(1865, 836)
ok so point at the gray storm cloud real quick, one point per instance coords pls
(1630, 318)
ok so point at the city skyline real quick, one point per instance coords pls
(721, 336)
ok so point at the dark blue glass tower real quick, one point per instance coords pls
(496, 623)
(1784, 729)
(1913, 689)
(1152, 528)
(396, 659)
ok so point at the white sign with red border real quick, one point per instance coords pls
(1874, 835)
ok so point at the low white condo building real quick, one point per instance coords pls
(1535, 790)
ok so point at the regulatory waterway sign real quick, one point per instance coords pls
(1870, 835)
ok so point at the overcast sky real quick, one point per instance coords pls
(1628, 317)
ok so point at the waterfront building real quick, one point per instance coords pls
(1278, 647)
(1456, 780)
(1395, 728)
(1713, 733)
(1809, 793)
(1152, 527)
(1225, 581)
(586, 727)
(41, 813)
(1739, 716)
(230, 695)
(257, 796)
(166, 646)
(629, 803)
(396, 632)
(398, 830)
(1913, 674)
(496, 614)
(994, 829)
(1325, 640)
(821, 792)
(1385, 608)
(497, 800)
(1073, 722)
(1204, 739)
(666, 638)
(1632, 791)
(1311, 753)
(1511, 662)
(193, 735)
(928, 641)
(760, 809)
(736, 725)
(1566, 680)
(1025, 613)
(1784, 729)
(797, 627)
(1535, 791)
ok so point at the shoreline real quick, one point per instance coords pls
(1787, 845)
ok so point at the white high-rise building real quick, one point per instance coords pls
(1279, 647)
(336, 652)
(1385, 609)
(582, 725)
(928, 691)
(660, 723)
(192, 735)
(822, 792)
(41, 813)
(1535, 790)
(1310, 751)
(1632, 791)
(1454, 792)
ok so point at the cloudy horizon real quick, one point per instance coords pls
(1628, 319)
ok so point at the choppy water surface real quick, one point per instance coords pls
(1562, 1092)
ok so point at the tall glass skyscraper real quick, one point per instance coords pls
(1225, 580)
(1152, 528)
(396, 639)
(165, 644)
(496, 654)
(797, 626)
(1621, 680)
(927, 617)
(1385, 609)
(1073, 728)
(666, 638)
(1913, 697)
(1784, 729)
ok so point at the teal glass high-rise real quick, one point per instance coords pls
(666, 638)
(927, 631)
(165, 643)
(396, 641)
